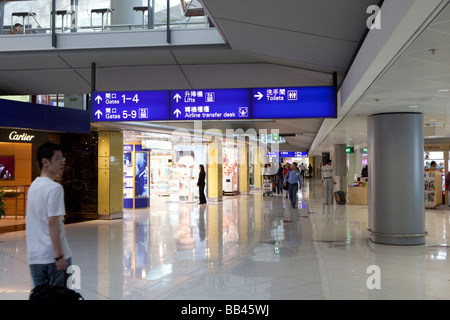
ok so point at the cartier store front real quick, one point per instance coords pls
(18, 166)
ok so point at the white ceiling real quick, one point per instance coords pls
(265, 43)
(320, 35)
(412, 83)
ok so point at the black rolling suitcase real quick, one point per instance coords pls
(339, 197)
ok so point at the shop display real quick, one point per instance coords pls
(136, 193)
(127, 176)
(184, 170)
(230, 170)
(184, 175)
(433, 194)
(438, 157)
(141, 175)
(6, 167)
(159, 174)
(174, 187)
(227, 184)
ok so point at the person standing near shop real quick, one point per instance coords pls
(201, 184)
(303, 170)
(48, 251)
(279, 179)
(328, 181)
(294, 180)
(447, 185)
(310, 170)
(286, 169)
(433, 166)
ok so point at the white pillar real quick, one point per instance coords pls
(352, 167)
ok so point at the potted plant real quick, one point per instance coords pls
(2, 204)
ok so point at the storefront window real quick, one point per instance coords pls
(183, 181)
(230, 169)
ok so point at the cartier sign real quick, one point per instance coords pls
(17, 135)
(20, 136)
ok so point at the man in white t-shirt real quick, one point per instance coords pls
(48, 251)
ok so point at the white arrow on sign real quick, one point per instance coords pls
(259, 95)
(98, 99)
(177, 97)
(98, 113)
(177, 112)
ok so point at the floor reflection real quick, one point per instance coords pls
(244, 247)
(222, 232)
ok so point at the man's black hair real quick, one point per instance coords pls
(46, 151)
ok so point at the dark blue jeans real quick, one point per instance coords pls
(40, 273)
(292, 189)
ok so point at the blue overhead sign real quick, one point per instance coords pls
(215, 104)
(294, 102)
(130, 105)
(210, 104)
(287, 154)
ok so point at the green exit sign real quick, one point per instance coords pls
(349, 149)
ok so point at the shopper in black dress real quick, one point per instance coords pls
(201, 184)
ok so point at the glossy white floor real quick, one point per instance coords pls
(246, 247)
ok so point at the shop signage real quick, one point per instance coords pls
(24, 137)
(211, 104)
(157, 144)
(294, 102)
(21, 136)
(287, 154)
(215, 104)
(17, 114)
(130, 106)
(127, 147)
(436, 147)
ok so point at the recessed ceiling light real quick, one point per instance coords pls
(413, 107)
(443, 90)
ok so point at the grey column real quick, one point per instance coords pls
(74, 16)
(396, 178)
(340, 167)
(2, 15)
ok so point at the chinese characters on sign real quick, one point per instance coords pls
(215, 104)
(130, 106)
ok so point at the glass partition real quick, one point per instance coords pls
(35, 16)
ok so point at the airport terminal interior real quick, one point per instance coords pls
(141, 93)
